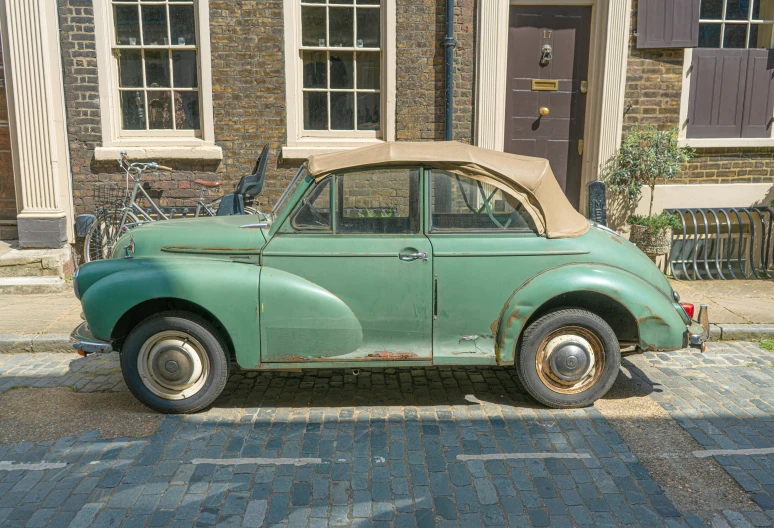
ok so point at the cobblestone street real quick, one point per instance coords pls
(389, 447)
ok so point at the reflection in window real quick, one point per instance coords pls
(315, 210)
(460, 203)
(736, 24)
(378, 201)
(341, 59)
(158, 69)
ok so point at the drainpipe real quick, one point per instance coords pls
(449, 43)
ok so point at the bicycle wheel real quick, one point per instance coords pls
(103, 233)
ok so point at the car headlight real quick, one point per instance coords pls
(75, 284)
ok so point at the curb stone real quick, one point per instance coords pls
(26, 343)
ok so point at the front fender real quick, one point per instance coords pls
(228, 290)
(660, 324)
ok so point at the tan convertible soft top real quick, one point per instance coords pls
(531, 179)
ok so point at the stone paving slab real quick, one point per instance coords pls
(731, 301)
(388, 441)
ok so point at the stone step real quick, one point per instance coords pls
(29, 285)
(16, 262)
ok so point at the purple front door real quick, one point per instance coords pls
(551, 82)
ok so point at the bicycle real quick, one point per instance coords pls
(121, 211)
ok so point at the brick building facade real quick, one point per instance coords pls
(245, 79)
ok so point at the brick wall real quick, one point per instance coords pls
(653, 92)
(421, 72)
(249, 92)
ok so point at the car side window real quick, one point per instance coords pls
(378, 201)
(315, 210)
(460, 203)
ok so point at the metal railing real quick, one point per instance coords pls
(723, 243)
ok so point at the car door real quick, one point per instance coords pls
(485, 244)
(364, 262)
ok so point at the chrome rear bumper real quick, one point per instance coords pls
(85, 343)
(699, 333)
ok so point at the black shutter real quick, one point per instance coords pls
(759, 94)
(716, 107)
(668, 23)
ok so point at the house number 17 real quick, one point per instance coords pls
(547, 33)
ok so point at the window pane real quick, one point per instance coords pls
(737, 9)
(763, 10)
(711, 9)
(368, 2)
(157, 68)
(187, 110)
(461, 203)
(342, 111)
(368, 111)
(315, 213)
(709, 35)
(127, 21)
(379, 201)
(315, 69)
(341, 27)
(349, 2)
(159, 110)
(313, 26)
(154, 25)
(369, 71)
(760, 35)
(735, 36)
(130, 69)
(185, 69)
(133, 110)
(368, 28)
(315, 110)
(183, 24)
(342, 70)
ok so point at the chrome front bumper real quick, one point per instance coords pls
(699, 333)
(85, 343)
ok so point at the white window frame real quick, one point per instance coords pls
(685, 95)
(302, 144)
(166, 144)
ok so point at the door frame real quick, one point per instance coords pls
(608, 54)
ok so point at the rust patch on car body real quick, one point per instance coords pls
(296, 358)
(392, 356)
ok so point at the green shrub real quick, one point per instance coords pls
(646, 157)
(657, 222)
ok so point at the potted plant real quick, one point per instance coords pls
(646, 157)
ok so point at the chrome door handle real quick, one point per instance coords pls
(410, 257)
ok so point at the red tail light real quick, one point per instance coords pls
(689, 309)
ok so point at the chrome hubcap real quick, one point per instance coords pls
(173, 365)
(570, 360)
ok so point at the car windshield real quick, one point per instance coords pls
(288, 193)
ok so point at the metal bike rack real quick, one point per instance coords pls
(723, 243)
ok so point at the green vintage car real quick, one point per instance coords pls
(397, 255)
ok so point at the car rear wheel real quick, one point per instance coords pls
(568, 358)
(175, 363)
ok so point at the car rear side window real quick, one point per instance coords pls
(460, 203)
(378, 201)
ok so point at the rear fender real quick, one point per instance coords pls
(659, 323)
(227, 290)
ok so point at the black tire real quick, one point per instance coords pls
(543, 384)
(202, 340)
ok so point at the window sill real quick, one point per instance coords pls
(304, 148)
(211, 152)
(725, 142)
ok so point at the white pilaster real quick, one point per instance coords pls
(491, 73)
(35, 94)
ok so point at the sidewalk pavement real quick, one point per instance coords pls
(739, 310)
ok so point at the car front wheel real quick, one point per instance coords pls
(568, 358)
(175, 363)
